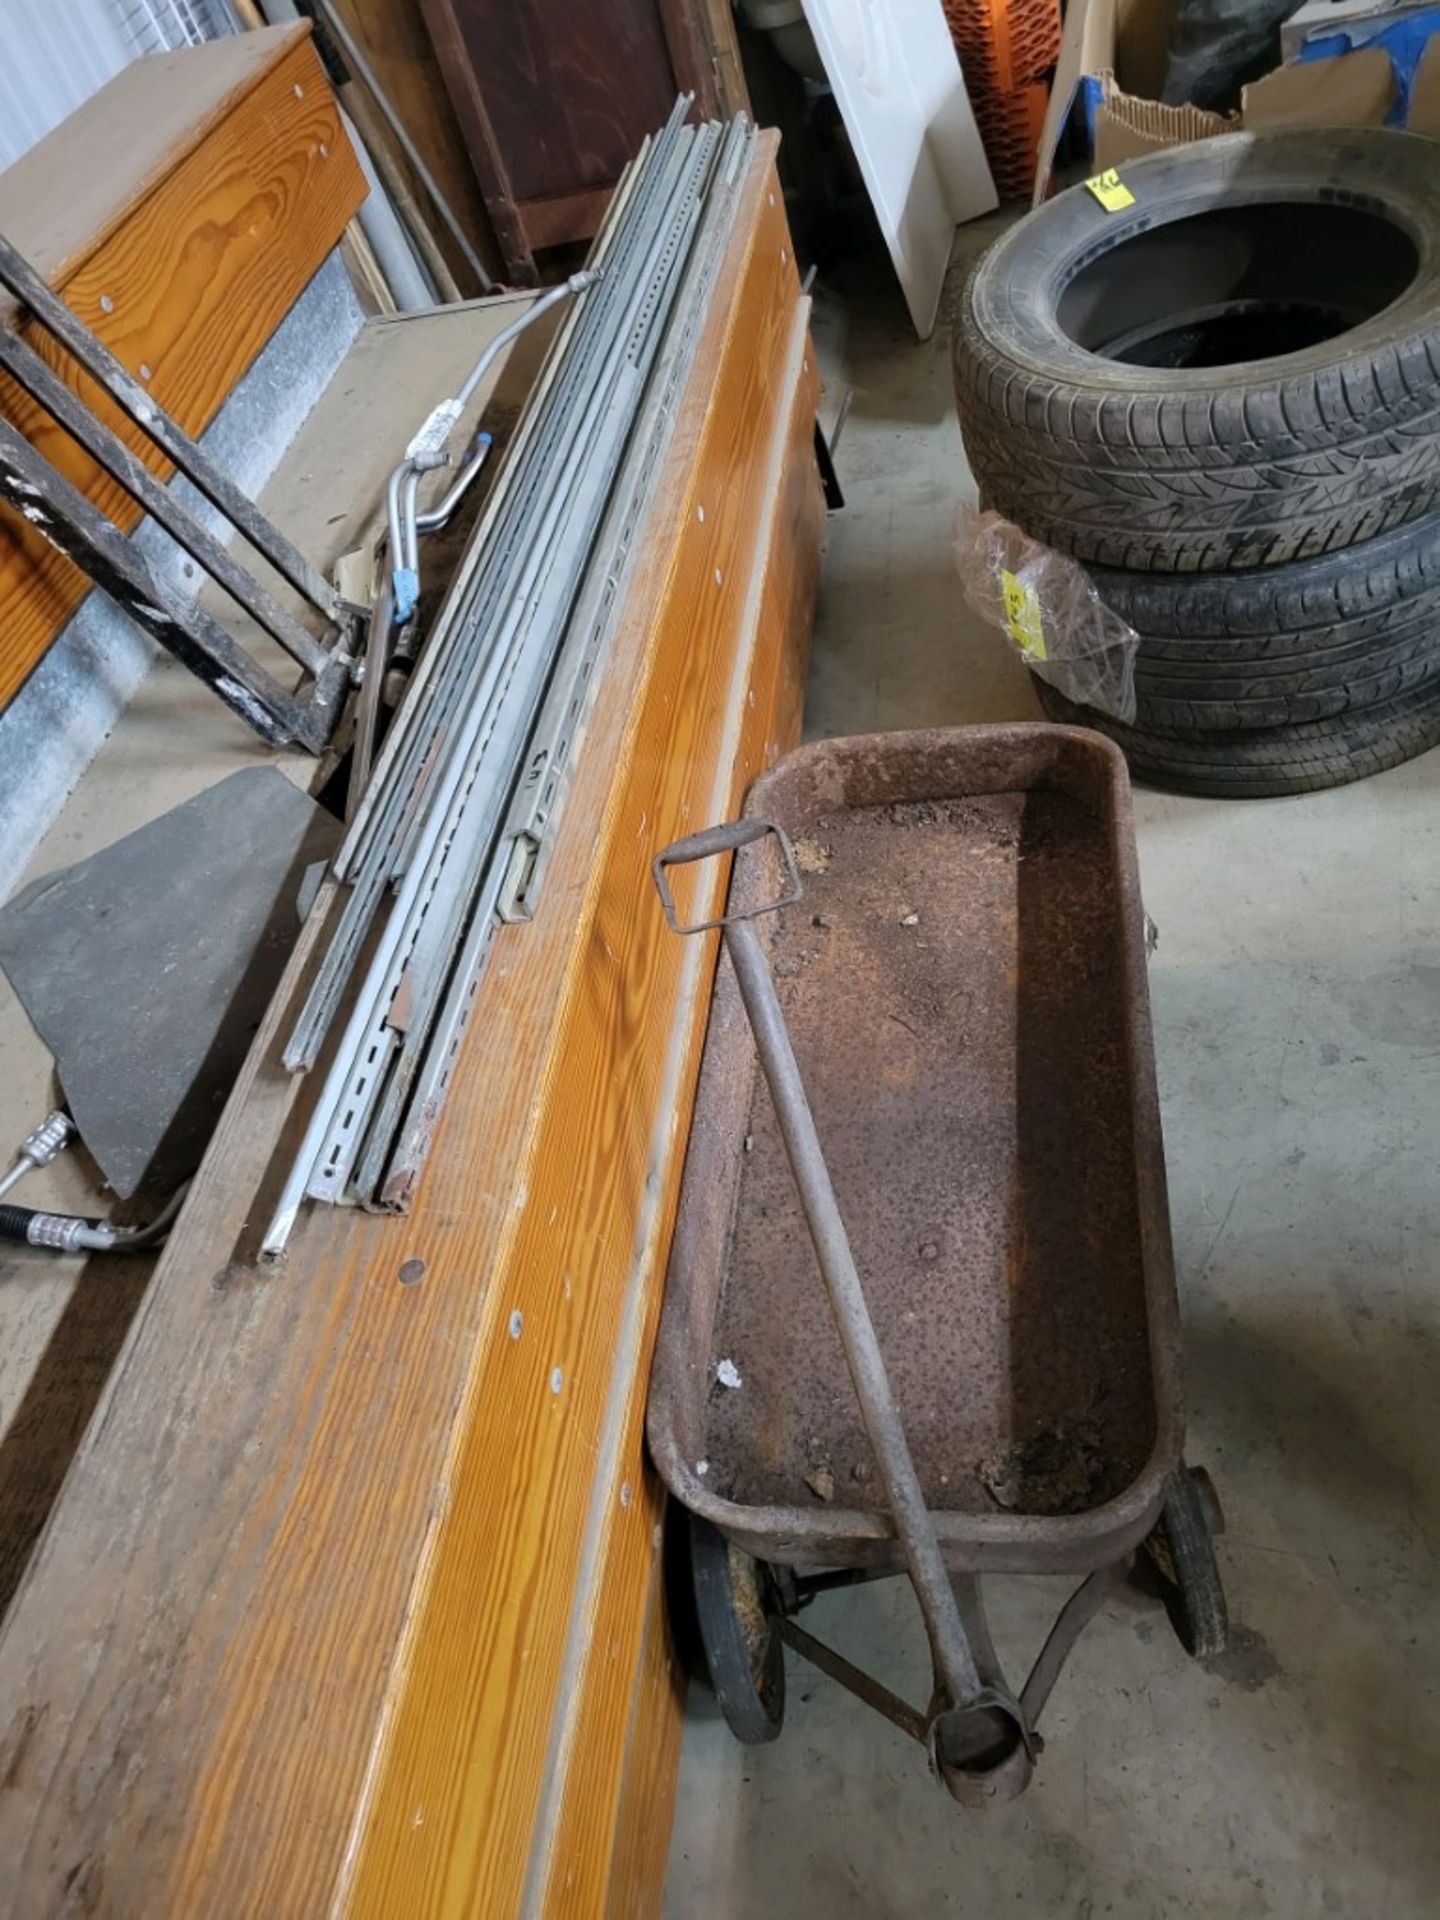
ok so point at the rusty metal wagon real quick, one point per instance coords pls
(972, 1364)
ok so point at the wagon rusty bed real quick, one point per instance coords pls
(964, 983)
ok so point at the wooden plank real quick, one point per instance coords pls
(586, 1853)
(470, 1741)
(442, 21)
(641, 1835)
(64, 198)
(292, 1640)
(571, 89)
(718, 24)
(566, 217)
(393, 37)
(554, 96)
(687, 40)
(189, 285)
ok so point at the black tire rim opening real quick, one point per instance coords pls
(1238, 283)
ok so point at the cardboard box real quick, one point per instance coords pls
(1112, 67)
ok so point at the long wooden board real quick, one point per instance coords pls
(350, 1569)
(179, 213)
(600, 1837)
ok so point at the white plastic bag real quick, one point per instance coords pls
(1046, 604)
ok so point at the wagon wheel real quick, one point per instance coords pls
(740, 1635)
(1183, 1551)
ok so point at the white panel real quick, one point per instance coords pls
(897, 81)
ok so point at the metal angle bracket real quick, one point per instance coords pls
(47, 500)
(42, 495)
(545, 783)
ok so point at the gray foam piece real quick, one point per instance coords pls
(147, 968)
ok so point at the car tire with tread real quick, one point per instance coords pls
(1265, 763)
(1307, 429)
(1279, 645)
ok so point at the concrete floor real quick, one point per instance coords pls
(1297, 1016)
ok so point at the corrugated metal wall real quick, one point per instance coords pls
(56, 54)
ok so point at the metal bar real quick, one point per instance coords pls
(855, 1680)
(978, 1735)
(367, 707)
(517, 863)
(412, 153)
(433, 519)
(426, 698)
(18, 277)
(410, 535)
(650, 302)
(466, 693)
(570, 508)
(423, 452)
(538, 401)
(903, 1493)
(487, 757)
(70, 522)
(513, 527)
(577, 283)
(438, 653)
(914, 1527)
(531, 827)
(432, 811)
(1071, 1621)
(25, 366)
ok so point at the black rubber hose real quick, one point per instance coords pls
(15, 1222)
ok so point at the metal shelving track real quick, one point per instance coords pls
(463, 796)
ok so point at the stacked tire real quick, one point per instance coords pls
(1219, 389)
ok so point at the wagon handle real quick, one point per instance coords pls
(979, 1739)
(707, 845)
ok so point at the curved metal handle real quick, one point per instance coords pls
(708, 845)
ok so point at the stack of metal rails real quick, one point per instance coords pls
(454, 824)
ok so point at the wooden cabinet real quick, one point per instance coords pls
(555, 96)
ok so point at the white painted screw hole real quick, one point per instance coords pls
(107, 305)
(557, 1379)
(517, 1324)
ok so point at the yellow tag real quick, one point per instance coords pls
(1022, 616)
(1110, 190)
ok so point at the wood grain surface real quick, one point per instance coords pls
(64, 198)
(640, 1837)
(393, 38)
(593, 1836)
(346, 1574)
(554, 96)
(185, 285)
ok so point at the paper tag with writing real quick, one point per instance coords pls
(1111, 191)
(1022, 616)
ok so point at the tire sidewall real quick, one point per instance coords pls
(1012, 297)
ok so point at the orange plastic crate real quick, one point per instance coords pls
(1010, 127)
(1004, 45)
